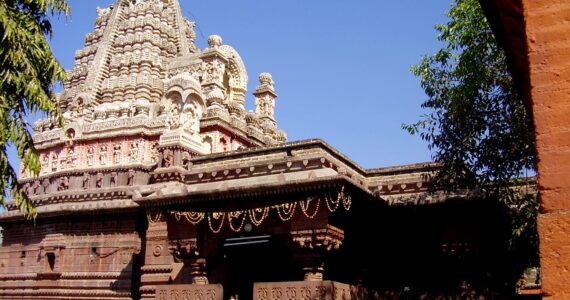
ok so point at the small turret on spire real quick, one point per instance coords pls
(265, 100)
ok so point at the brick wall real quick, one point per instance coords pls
(548, 40)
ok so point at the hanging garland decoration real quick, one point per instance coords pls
(331, 204)
(216, 215)
(305, 207)
(346, 202)
(194, 217)
(156, 218)
(236, 214)
(257, 216)
(254, 220)
(286, 211)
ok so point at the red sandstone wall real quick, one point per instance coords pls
(548, 38)
(93, 259)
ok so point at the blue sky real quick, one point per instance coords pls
(341, 69)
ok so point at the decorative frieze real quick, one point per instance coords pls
(190, 291)
(305, 290)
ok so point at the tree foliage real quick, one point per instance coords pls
(28, 71)
(477, 126)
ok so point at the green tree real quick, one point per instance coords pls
(476, 123)
(28, 72)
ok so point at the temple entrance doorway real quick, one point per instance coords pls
(241, 261)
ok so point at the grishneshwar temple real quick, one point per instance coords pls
(160, 185)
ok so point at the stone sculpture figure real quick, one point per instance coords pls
(168, 159)
(114, 177)
(186, 164)
(54, 162)
(99, 180)
(103, 155)
(63, 184)
(154, 152)
(133, 153)
(190, 122)
(29, 188)
(45, 185)
(86, 180)
(89, 156)
(101, 12)
(70, 158)
(210, 73)
(173, 119)
(45, 163)
(131, 178)
(117, 153)
(36, 187)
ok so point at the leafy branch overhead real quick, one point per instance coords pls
(28, 73)
(476, 123)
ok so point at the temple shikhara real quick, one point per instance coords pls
(161, 185)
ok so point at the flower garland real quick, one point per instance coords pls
(286, 211)
(194, 217)
(216, 215)
(156, 218)
(309, 207)
(254, 220)
(305, 207)
(236, 215)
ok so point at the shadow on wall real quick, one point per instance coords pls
(129, 278)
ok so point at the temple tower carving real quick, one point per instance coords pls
(140, 85)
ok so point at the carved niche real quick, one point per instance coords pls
(167, 158)
(99, 180)
(86, 181)
(89, 156)
(117, 154)
(131, 178)
(103, 155)
(133, 151)
(114, 179)
(63, 184)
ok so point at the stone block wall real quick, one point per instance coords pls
(89, 257)
(548, 40)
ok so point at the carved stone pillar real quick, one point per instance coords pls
(186, 249)
(187, 262)
(157, 263)
(313, 245)
(199, 275)
(313, 265)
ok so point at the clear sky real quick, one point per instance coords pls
(341, 68)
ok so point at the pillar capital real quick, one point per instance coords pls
(311, 247)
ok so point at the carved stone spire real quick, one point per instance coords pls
(125, 57)
(141, 93)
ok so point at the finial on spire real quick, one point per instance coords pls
(266, 79)
(215, 41)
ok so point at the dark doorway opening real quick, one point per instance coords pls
(50, 261)
(244, 260)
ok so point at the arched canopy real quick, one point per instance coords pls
(235, 68)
